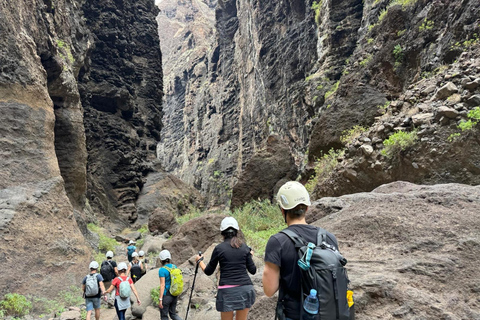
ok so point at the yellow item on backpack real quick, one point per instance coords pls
(350, 298)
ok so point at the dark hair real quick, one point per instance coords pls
(231, 233)
(166, 261)
(297, 211)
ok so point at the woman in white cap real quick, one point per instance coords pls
(235, 289)
(123, 285)
(167, 303)
(135, 268)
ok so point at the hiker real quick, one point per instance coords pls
(281, 268)
(235, 289)
(143, 260)
(135, 268)
(93, 289)
(123, 286)
(130, 250)
(108, 270)
(167, 302)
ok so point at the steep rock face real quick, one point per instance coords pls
(309, 72)
(121, 88)
(43, 171)
(221, 110)
(414, 71)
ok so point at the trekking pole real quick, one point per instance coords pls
(193, 284)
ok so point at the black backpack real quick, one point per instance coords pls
(107, 271)
(136, 271)
(324, 271)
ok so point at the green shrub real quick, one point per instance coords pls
(105, 243)
(466, 125)
(426, 25)
(453, 137)
(366, 61)
(258, 220)
(324, 168)
(332, 90)
(403, 3)
(382, 15)
(16, 305)
(155, 295)
(398, 53)
(398, 141)
(316, 7)
(349, 135)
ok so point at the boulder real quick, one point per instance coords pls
(195, 235)
(153, 244)
(272, 164)
(71, 315)
(146, 283)
(446, 112)
(162, 219)
(474, 101)
(446, 91)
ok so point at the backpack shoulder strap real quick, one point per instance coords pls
(321, 236)
(297, 240)
(168, 269)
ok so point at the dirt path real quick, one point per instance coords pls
(108, 314)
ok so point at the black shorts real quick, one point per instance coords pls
(236, 298)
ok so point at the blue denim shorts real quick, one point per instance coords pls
(92, 303)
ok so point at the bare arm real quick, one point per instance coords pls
(135, 292)
(162, 289)
(102, 287)
(116, 271)
(270, 279)
(110, 289)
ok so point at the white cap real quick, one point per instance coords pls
(164, 255)
(291, 194)
(141, 253)
(122, 266)
(229, 222)
(109, 254)
(93, 265)
(134, 254)
(131, 242)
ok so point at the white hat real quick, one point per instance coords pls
(229, 222)
(131, 242)
(291, 194)
(141, 253)
(122, 266)
(93, 265)
(164, 255)
(109, 254)
(135, 254)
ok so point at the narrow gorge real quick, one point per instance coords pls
(146, 115)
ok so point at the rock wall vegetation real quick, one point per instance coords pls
(311, 71)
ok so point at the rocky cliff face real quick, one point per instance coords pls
(221, 109)
(309, 72)
(43, 176)
(121, 90)
(80, 94)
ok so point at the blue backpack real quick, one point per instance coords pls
(131, 250)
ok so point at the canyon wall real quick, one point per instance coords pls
(80, 93)
(307, 72)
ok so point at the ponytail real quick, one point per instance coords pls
(231, 234)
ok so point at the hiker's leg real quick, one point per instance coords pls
(241, 314)
(89, 306)
(164, 311)
(97, 314)
(121, 314)
(172, 310)
(226, 315)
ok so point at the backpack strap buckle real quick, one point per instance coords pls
(304, 262)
